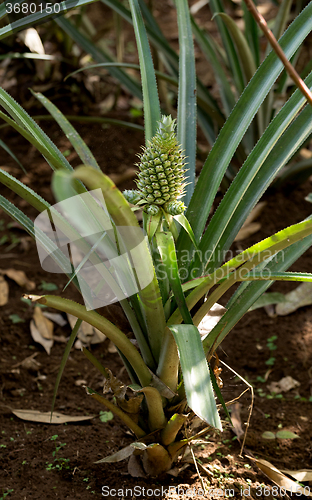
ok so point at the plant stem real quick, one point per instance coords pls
(119, 413)
(278, 50)
(156, 416)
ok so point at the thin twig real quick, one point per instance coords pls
(278, 50)
(251, 406)
(197, 470)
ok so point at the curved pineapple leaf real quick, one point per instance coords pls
(277, 276)
(196, 374)
(64, 359)
(28, 124)
(205, 41)
(237, 124)
(71, 133)
(244, 300)
(149, 85)
(122, 215)
(165, 244)
(10, 152)
(243, 50)
(246, 196)
(23, 191)
(216, 7)
(186, 120)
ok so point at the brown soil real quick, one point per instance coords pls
(28, 469)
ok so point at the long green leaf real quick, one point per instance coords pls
(254, 177)
(149, 85)
(243, 50)
(236, 125)
(24, 120)
(65, 357)
(71, 133)
(196, 375)
(205, 41)
(277, 276)
(41, 238)
(165, 243)
(216, 7)
(251, 33)
(251, 293)
(187, 94)
(10, 152)
(287, 145)
(247, 259)
(24, 191)
(52, 160)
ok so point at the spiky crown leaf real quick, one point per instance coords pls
(161, 179)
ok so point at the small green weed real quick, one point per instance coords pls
(283, 434)
(272, 347)
(105, 416)
(59, 463)
(5, 494)
(16, 319)
(270, 343)
(48, 287)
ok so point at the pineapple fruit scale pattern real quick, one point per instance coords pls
(161, 179)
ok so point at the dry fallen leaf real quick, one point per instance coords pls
(41, 330)
(55, 317)
(20, 278)
(284, 385)
(45, 417)
(247, 230)
(236, 420)
(118, 456)
(44, 325)
(4, 292)
(300, 297)
(127, 175)
(36, 335)
(111, 348)
(279, 478)
(135, 468)
(29, 363)
(300, 474)
(249, 227)
(211, 319)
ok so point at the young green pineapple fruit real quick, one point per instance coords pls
(161, 178)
